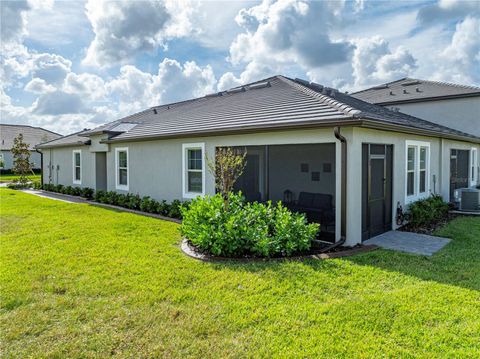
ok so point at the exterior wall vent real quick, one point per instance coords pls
(411, 83)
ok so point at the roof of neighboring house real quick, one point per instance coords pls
(414, 90)
(31, 135)
(74, 139)
(273, 103)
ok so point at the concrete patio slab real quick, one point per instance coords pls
(409, 242)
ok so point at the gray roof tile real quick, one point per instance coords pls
(412, 90)
(31, 135)
(284, 103)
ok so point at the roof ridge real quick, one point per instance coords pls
(451, 84)
(37, 127)
(324, 99)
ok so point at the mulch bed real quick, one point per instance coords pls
(432, 227)
(192, 251)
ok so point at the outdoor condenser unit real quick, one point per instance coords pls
(470, 199)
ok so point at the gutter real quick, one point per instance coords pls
(41, 166)
(343, 188)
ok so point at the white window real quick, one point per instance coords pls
(417, 170)
(193, 178)
(77, 167)
(473, 167)
(121, 168)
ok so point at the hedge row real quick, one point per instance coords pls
(130, 201)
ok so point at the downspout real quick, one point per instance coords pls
(343, 186)
(41, 166)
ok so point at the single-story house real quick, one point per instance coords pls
(305, 143)
(31, 135)
(451, 105)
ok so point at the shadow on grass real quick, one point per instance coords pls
(457, 264)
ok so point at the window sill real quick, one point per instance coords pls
(121, 188)
(192, 195)
(413, 198)
(77, 182)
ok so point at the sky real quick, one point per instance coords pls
(70, 65)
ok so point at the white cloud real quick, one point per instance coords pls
(137, 90)
(39, 86)
(445, 10)
(13, 20)
(87, 85)
(459, 62)
(124, 29)
(59, 103)
(373, 62)
(51, 67)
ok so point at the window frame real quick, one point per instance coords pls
(185, 148)
(117, 169)
(74, 166)
(473, 167)
(417, 145)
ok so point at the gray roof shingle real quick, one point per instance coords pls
(74, 139)
(414, 90)
(31, 135)
(276, 102)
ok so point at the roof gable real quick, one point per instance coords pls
(31, 135)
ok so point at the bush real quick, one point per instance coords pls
(37, 185)
(244, 228)
(174, 209)
(426, 211)
(87, 192)
(17, 185)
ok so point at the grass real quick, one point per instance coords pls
(13, 177)
(84, 281)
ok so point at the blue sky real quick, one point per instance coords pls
(69, 65)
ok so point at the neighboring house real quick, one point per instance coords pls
(451, 105)
(31, 135)
(327, 150)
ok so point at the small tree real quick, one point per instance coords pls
(21, 159)
(227, 167)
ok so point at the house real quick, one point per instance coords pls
(31, 135)
(451, 105)
(304, 142)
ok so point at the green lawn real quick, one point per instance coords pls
(82, 281)
(12, 177)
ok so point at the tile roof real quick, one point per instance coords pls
(414, 90)
(31, 135)
(276, 102)
(74, 139)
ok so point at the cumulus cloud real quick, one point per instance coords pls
(13, 20)
(445, 10)
(373, 62)
(459, 62)
(51, 67)
(87, 85)
(286, 36)
(59, 103)
(123, 29)
(39, 86)
(173, 82)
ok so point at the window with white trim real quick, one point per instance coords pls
(417, 170)
(193, 177)
(121, 168)
(77, 166)
(473, 167)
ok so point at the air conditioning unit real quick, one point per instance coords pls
(469, 199)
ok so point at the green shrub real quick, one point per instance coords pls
(162, 208)
(17, 185)
(148, 205)
(426, 211)
(58, 188)
(87, 192)
(76, 191)
(37, 185)
(245, 228)
(174, 210)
